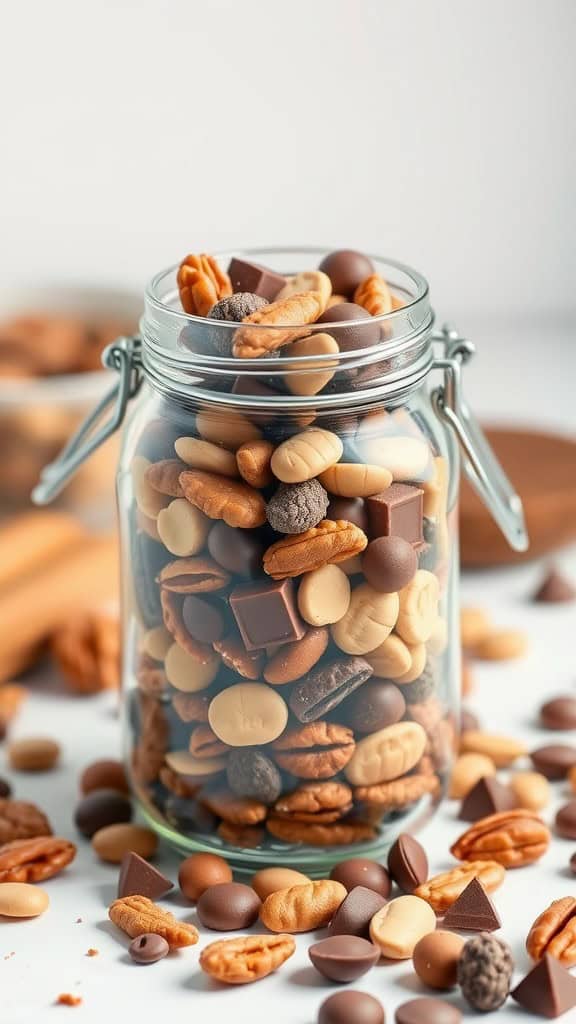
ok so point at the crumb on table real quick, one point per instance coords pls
(92, 952)
(67, 999)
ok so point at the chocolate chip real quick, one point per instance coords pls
(376, 706)
(555, 589)
(343, 957)
(566, 820)
(353, 510)
(554, 760)
(203, 620)
(359, 871)
(238, 551)
(251, 277)
(5, 789)
(559, 713)
(99, 808)
(148, 949)
(139, 878)
(389, 563)
(251, 774)
(407, 863)
(355, 913)
(324, 688)
(426, 1010)
(228, 907)
(295, 508)
(346, 269)
(351, 1007)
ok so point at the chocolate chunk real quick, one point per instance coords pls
(389, 563)
(355, 913)
(295, 508)
(548, 989)
(397, 511)
(228, 907)
(554, 761)
(148, 948)
(377, 705)
(351, 1007)
(251, 774)
(359, 871)
(559, 713)
(251, 277)
(5, 789)
(343, 957)
(323, 688)
(99, 808)
(566, 820)
(353, 510)
(266, 613)
(139, 878)
(359, 336)
(487, 796)
(426, 1010)
(473, 911)
(555, 589)
(238, 551)
(346, 269)
(407, 863)
(204, 621)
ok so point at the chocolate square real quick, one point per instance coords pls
(397, 511)
(251, 277)
(266, 613)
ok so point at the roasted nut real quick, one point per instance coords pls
(204, 743)
(467, 770)
(554, 932)
(474, 626)
(512, 838)
(502, 750)
(322, 802)
(305, 455)
(329, 542)
(189, 673)
(502, 645)
(230, 430)
(147, 498)
(240, 961)
(277, 324)
(200, 454)
(318, 750)
(183, 528)
(112, 842)
(386, 754)
(418, 607)
(193, 576)
(355, 480)
(237, 810)
(307, 281)
(531, 789)
(339, 833)
(247, 664)
(443, 890)
(306, 377)
(374, 295)
(302, 908)
(86, 649)
(137, 915)
(164, 476)
(368, 621)
(201, 284)
(253, 460)
(400, 924)
(33, 754)
(389, 796)
(35, 860)
(220, 497)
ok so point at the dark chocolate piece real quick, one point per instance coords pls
(361, 335)
(487, 796)
(343, 957)
(203, 620)
(238, 551)
(407, 863)
(427, 1010)
(376, 706)
(139, 878)
(397, 511)
(266, 613)
(252, 277)
(353, 510)
(355, 913)
(555, 589)
(389, 563)
(473, 911)
(566, 820)
(99, 808)
(228, 907)
(548, 989)
(346, 269)
(359, 871)
(554, 760)
(351, 1007)
(251, 774)
(326, 686)
(559, 713)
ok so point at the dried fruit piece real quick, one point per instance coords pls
(137, 915)
(201, 283)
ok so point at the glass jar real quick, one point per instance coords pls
(288, 516)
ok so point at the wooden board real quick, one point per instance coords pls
(542, 468)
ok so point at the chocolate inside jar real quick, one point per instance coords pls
(289, 520)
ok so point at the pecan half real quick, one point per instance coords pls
(442, 891)
(137, 915)
(148, 752)
(35, 860)
(284, 322)
(554, 932)
(205, 743)
(512, 838)
(248, 837)
(318, 750)
(322, 802)
(86, 649)
(240, 961)
(172, 614)
(328, 543)
(398, 793)
(237, 810)
(177, 784)
(20, 820)
(374, 295)
(201, 283)
(164, 476)
(247, 664)
(193, 576)
(220, 497)
(339, 833)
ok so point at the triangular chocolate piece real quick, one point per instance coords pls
(488, 796)
(473, 911)
(555, 589)
(549, 989)
(138, 878)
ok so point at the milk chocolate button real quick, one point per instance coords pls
(356, 911)
(351, 1007)
(359, 871)
(566, 820)
(559, 713)
(238, 551)
(148, 949)
(248, 715)
(353, 510)
(357, 335)
(343, 957)
(389, 563)
(99, 808)
(376, 706)
(228, 907)
(554, 761)
(407, 863)
(427, 1011)
(346, 269)
(139, 878)
(203, 620)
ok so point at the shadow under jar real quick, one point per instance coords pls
(288, 513)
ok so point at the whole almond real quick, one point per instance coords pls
(302, 908)
(503, 750)
(467, 770)
(531, 789)
(33, 754)
(113, 841)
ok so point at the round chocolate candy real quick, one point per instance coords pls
(573, 863)
(376, 706)
(5, 789)
(251, 774)
(346, 269)
(359, 336)
(99, 808)
(202, 871)
(566, 820)
(554, 760)
(469, 721)
(351, 1007)
(426, 1010)
(228, 907)
(148, 948)
(389, 563)
(407, 863)
(203, 620)
(361, 871)
(353, 510)
(559, 713)
(343, 957)
(238, 551)
(435, 959)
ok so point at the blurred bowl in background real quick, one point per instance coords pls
(40, 406)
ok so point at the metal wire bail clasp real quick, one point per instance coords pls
(123, 355)
(481, 466)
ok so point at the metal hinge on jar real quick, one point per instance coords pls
(482, 469)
